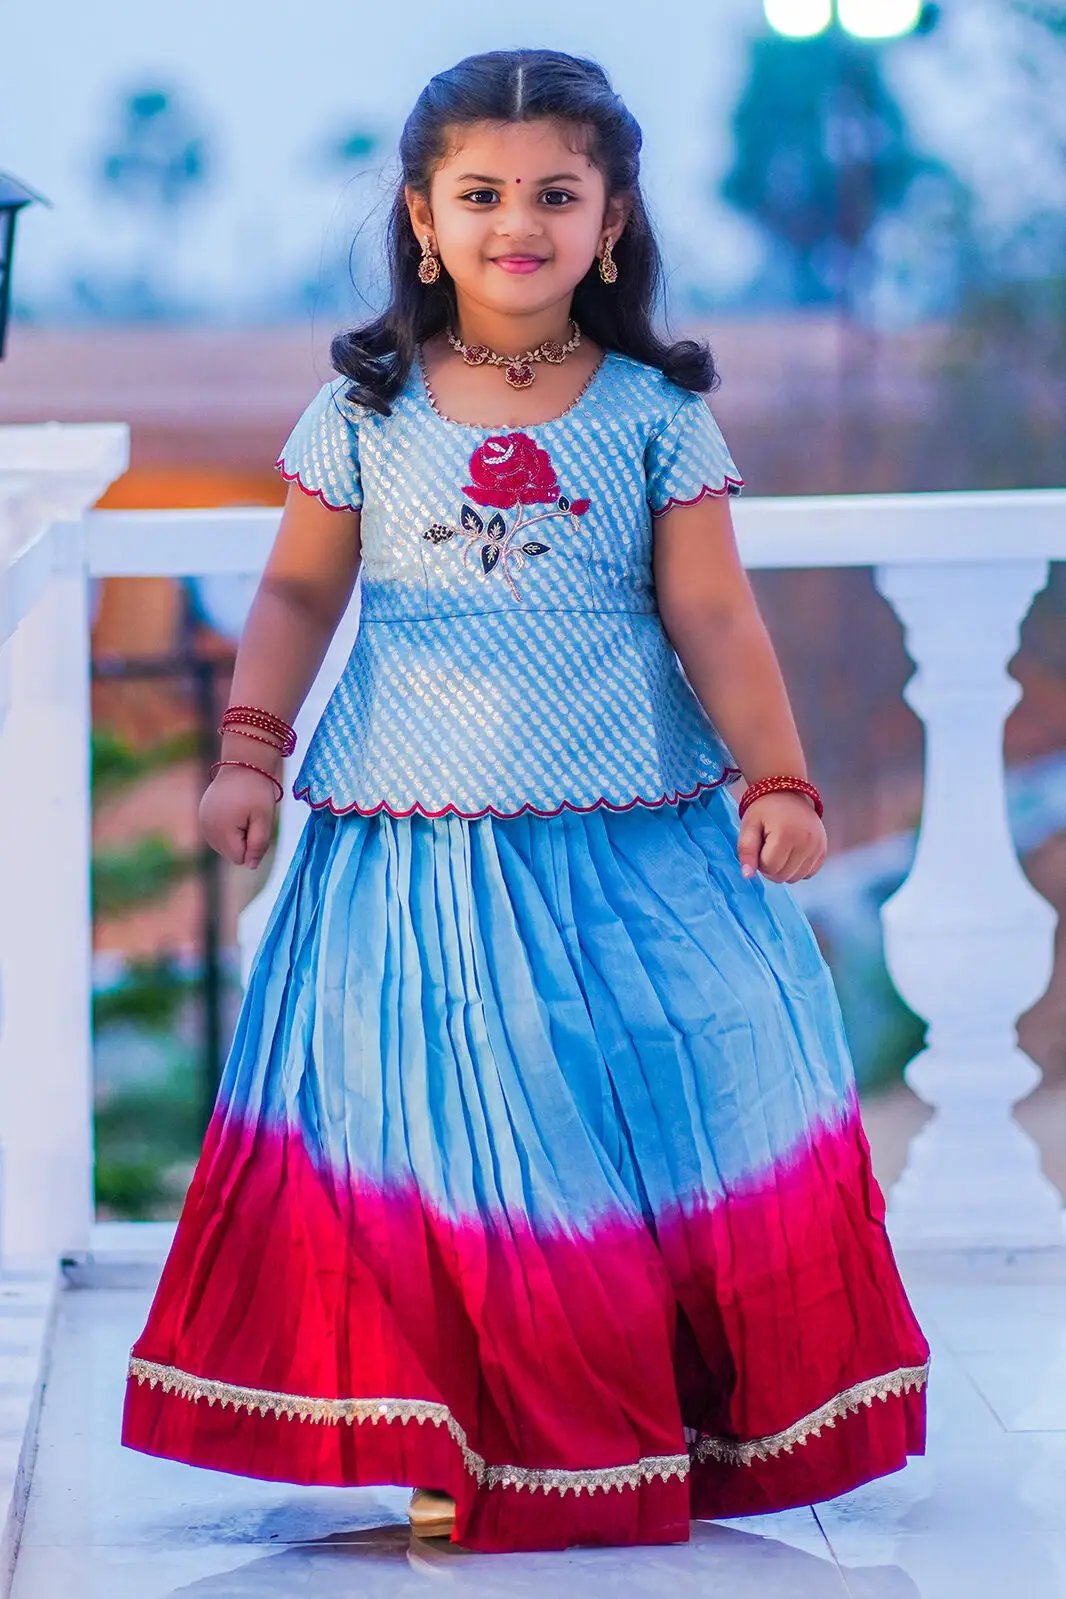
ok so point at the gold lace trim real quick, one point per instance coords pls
(302, 1407)
(827, 1415)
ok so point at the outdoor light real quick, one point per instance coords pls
(13, 196)
(799, 19)
(879, 19)
(863, 19)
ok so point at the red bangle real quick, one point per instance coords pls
(232, 727)
(255, 713)
(258, 737)
(772, 785)
(240, 716)
(261, 769)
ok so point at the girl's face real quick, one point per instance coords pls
(515, 215)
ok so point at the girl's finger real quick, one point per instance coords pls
(258, 838)
(791, 860)
(749, 845)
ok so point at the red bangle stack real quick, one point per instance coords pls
(245, 716)
(772, 785)
(279, 735)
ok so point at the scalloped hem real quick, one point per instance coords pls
(732, 485)
(316, 494)
(729, 774)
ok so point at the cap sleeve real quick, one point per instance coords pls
(689, 458)
(321, 453)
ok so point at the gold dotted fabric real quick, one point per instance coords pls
(510, 653)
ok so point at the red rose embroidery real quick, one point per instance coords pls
(510, 469)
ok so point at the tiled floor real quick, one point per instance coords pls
(982, 1514)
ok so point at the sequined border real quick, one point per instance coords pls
(734, 1453)
(304, 1407)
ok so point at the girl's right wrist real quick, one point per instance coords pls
(242, 746)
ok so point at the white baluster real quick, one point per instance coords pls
(968, 941)
(45, 928)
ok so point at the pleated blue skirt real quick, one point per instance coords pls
(540, 1133)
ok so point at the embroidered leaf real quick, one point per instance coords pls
(469, 519)
(490, 554)
(533, 548)
(497, 527)
(439, 531)
(564, 503)
(579, 507)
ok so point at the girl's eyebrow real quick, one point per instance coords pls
(480, 177)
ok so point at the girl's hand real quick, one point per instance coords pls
(237, 815)
(782, 836)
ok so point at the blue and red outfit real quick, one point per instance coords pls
(537, 1172)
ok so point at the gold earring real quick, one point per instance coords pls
(608, 265)
(429, 266)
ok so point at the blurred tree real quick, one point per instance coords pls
(817, 170)
(154, 163)
(1001, 377)
(1049, 14)
(159, 157)
(348, 155)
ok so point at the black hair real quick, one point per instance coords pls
(519, 86)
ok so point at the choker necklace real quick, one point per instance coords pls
(518, 369)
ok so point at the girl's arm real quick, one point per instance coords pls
(711, 618)
(303, 593)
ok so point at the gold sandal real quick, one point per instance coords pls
(431, 1514)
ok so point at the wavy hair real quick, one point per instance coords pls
(519, 86)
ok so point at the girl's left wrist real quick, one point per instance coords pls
(781, 783)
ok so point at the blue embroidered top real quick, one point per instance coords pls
(510, 655)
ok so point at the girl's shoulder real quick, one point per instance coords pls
(646, 390)
(685, 454)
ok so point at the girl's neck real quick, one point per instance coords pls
(481, 396)
(512, 335)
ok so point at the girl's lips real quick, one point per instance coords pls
(518, 263)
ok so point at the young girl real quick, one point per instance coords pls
(536, 1179)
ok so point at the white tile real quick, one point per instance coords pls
(721, 1558)
(986, 1564)
(206, 1572)
(716, 1561)
(1025, 1388)
(996, 1318)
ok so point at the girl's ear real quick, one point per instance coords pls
(616, 215)
(418, 210)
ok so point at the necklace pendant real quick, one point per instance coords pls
(476, 354)
(553, 351)
(519, 374)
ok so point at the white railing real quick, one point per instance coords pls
(968, 941)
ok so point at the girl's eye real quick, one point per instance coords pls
(562, 193)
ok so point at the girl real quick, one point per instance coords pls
(536, 1179)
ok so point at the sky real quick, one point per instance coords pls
(267, 96)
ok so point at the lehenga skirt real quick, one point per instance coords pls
(537, 1176)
